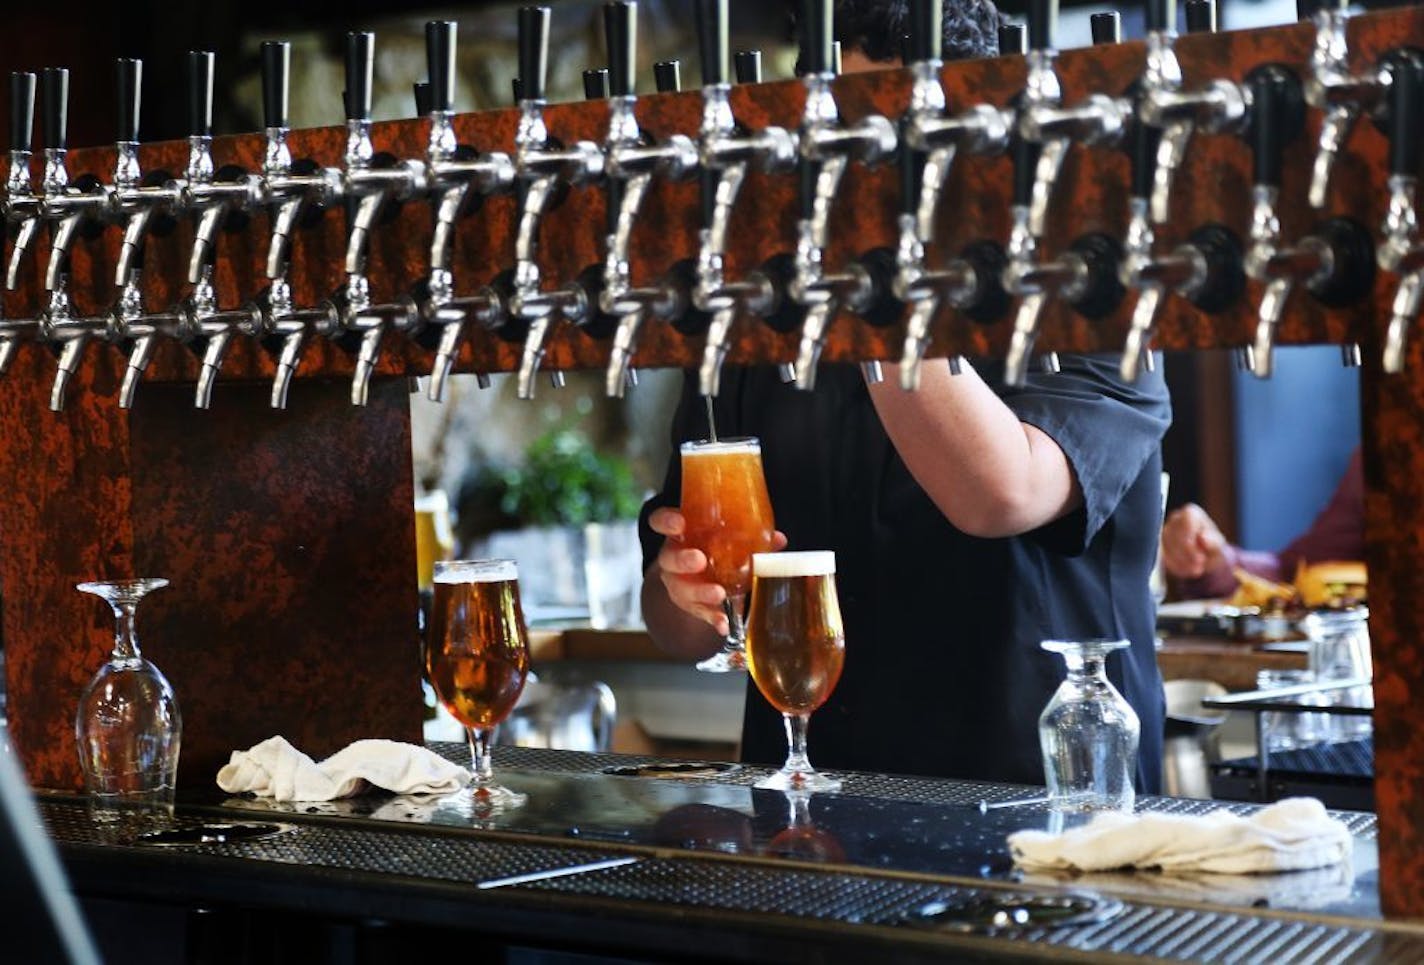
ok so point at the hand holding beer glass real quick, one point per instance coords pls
(727, 515)
(795, 651)
(477, 659)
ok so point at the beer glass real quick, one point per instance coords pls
(128, 728)
(477, 658)
(795, 651)
(728, 517)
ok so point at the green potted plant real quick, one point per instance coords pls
(567, 514)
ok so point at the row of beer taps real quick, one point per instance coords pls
(798, 291)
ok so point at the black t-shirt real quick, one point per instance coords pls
(943, 674)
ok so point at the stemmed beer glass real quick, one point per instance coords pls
(728, 517)
(795, 651)
(477, 658)
(127, 727)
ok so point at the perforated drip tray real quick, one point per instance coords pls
(994, 913)
(210, 834)
(674, 769)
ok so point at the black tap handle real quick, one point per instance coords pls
(1201, 16)
(836, 57)
(424, 103)
(1106, 27)
(926, 36)
(54, 85)
(816, 34)
(1042, 24)
(128, 78)
(667, 76)
(1142, 155)
(533, 51)
(440, 38)
(1013, 40)
(1277, 117)
(516, 86)
(620, 31)
(1305, 9)
(22, 111)
(276, 70)
(1404, 104)
(748, 64)
(360, 58)
(200, 93)
(1160, 15)
(595, 83)
(712, 44)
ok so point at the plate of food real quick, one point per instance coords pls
(1263, 609)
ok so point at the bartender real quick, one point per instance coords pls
(970, 520)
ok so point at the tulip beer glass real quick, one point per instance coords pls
(795, 651)
(728, 517)
(477, 659)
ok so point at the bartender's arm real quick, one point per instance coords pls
(990, 474)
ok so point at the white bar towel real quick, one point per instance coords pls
(276, 769)
(1291, 835)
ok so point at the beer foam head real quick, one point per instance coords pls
(475, 571)
(812, 563)
(706, 447)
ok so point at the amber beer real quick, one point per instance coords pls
(478, 654)
(726, 508)
(795, 640)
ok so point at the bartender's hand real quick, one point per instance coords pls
(680, 568)
(1192, 545)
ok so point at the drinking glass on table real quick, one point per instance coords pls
(477, 658)
(795, 651)
(727, 514)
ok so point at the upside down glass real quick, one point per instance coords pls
(128, 729)
(1088, 733)
(728, 517)
(477, 657)
(795, 651)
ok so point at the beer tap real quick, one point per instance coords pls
(458, 176)
(826, 146)
(632, 159)
(1335, 261)
(1217, 107)
(1401, 251)
(727, 152)
(217, 199)
(1341, 96)
(138, 206)
(291, 189)
(1086, 274)
(66, 207)
(22, 204)
(371, 184)
(540, 164)
(1207, 268)
(933, 137)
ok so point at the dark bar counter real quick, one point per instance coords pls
(615, 858)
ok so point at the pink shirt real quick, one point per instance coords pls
(1338, 533)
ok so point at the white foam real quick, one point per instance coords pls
(705, 447)
(810, 563)
(475, 571)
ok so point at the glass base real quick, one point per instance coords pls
(495, 797)
(804, 780)
(726, 660)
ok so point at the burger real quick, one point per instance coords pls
(1333, 584)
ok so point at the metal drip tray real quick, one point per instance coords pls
(992, 913)
(673, 769)
(209, 834)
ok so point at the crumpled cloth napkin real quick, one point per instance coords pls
(1290, 835)
(276, 769)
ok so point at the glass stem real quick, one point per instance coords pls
(796, 760)
(799, 804)
(733, 606)
(480, 760)
(125, 630)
